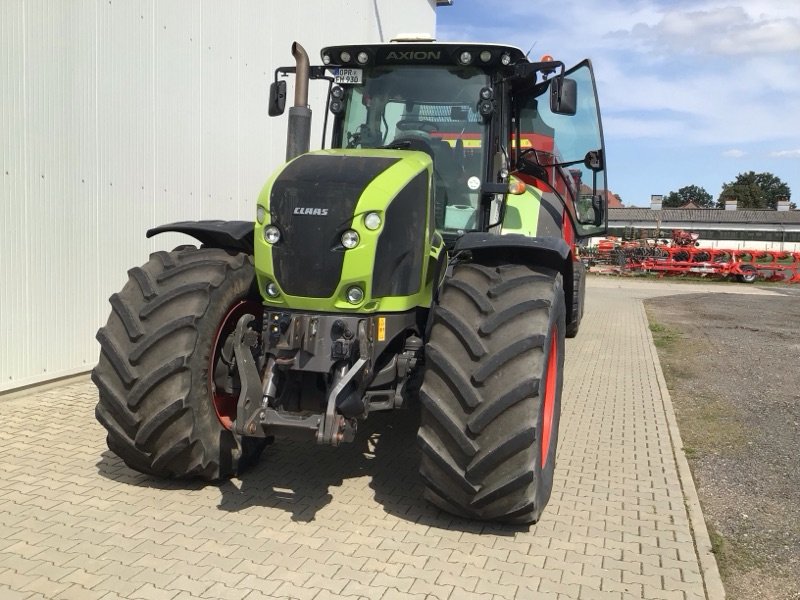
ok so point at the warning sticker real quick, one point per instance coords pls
(381, 329)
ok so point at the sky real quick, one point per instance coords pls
(691, 92)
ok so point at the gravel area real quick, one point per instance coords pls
(732, 364)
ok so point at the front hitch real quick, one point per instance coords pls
(256, 418)
(335, 428)
(251, 392)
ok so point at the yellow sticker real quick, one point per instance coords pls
(381, 329)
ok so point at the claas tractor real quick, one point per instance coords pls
(426, 259)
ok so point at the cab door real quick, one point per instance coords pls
(561, 137)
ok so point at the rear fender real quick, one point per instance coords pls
(228, 235)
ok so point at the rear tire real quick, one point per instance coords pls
(158, 351)
(578, 296)
(491, 396)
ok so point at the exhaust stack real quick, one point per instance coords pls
(298, 137)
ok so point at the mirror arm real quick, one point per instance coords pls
(532, 169)
(528, 69)
(315, 72)
(597, 208)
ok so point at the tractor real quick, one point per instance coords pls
(427, 258)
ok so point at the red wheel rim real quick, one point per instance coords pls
(224, 403)
(549, 395)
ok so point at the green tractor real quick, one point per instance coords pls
(427, 258)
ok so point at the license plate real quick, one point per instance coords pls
(342, 75)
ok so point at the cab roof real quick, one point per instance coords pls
(423, 53)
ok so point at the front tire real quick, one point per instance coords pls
(491, 396)
(160, 357)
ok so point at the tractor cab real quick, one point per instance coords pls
(414, 100)
(492, 123)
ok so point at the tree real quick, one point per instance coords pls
(754, 190)
(773, 188)
(689, 193)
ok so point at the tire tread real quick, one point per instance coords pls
(152, 377)
(479, 430)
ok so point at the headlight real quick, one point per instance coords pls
(350, 239)
(272, 290)
(272, 235)
(372, 221)
(355, 295)
(465, 57)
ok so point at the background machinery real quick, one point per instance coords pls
(428, 254)
(684, 255)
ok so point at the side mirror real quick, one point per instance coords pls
(594, 160)
(564, 96)
(277, 98)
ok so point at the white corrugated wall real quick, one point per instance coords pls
(119, 115)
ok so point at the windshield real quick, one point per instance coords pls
(431, 109)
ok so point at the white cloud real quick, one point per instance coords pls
(734, 153)
(726, 30)
(711, 72)
(786, 154)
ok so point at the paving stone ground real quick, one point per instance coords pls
(316, 522)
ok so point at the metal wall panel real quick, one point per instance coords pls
(14, 339)
(118, 115)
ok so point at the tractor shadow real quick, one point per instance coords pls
(302, 478)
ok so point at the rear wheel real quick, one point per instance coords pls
(166, 392)
(491, 397)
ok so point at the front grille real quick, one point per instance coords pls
(308, 260)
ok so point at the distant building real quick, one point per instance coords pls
(613, 200)
(718, 228)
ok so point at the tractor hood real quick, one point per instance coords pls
(319, 196)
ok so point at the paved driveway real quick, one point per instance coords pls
(318, 522)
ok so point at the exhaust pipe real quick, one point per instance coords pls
(298, 136)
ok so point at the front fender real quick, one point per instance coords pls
(230, 235)
(550, 252)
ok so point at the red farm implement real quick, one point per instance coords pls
(745, 265)
(683, 256)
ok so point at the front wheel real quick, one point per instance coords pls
(166, 382)
(491, 396)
